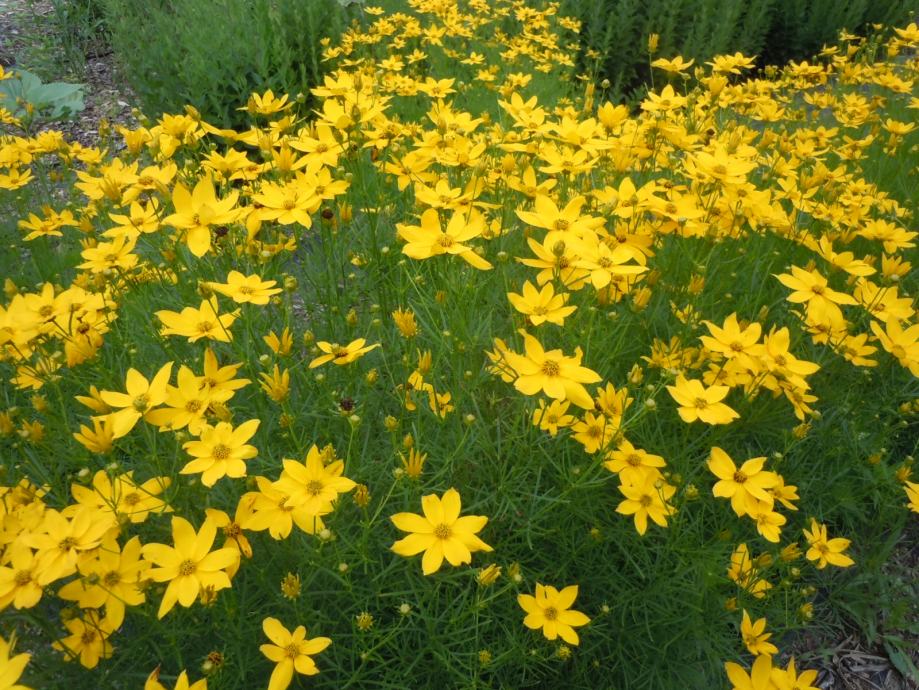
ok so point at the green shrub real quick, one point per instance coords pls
(214, 55)
(775, 30)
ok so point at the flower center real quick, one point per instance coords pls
(740, 477)
(314, 487)
(221, 452)
(205, 326)
(443, 531)
(22, 578)
(700, 403)
(193, 406)
(187, 568)
(111, 578)
(292, 650)
(551, 613)
(550, 368)
(141, 402)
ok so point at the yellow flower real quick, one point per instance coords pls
(11, 667)
(558, 376)
(242, 288)
(912, 494)
(674, 66)
(88, 640)
(541, 305)
(198, 210)
(276, 384)
(429, 239)
(633, 464)
(553, 416)
(551, 610)
(312, 485)
(98, 439)
(647, 500)
(826, 551)
(697, 402)
(141, 397)
(221, 451)
(440, 532)
(189, 566)
(754, 636)
(153, 682)
(744, 486)
(194, 324)
(414, 463)
(788, 678)
(341, 354)
(186, 404)
(280, 345)
(291, 652)
(757, 679)
(405, 322)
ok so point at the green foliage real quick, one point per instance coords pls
(775, 30)
(214, 55)
(30, 99)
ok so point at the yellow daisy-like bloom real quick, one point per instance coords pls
(744, 486)
(541, 305)
(140, 398)
(429, 239)
(440, 532)
(312, 484)
(182, 683)
(291, 651)
(755, 636)
(190, 566)
(912, 493)
(242, 288)
(198, 210)
(341, 354)
(221, 451)
(824, 550)
(698, 402)
(558, 376)
(194, 324)
(551, 610)
(11, 667)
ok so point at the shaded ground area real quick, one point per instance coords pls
(27, 39)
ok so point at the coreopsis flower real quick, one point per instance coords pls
(280, 345)
(698, 402)
(759, 677)
(789, 679)
(405, 322)
(276, 384)
(19, 583)
(553, 416)
(744, 486)
(542, 305)
(110, 256)
(673, 66)
(755, 636)
(733, 342)
(551, 372)
(88, 640)
(182, 682)
(812, 289)
(60, 542)
(744, 572)
(217, 378)
(271, 508)
(111, 577)
(291, 651)
(221, 451)
(140, 398)
(242, 288)
(824, 550)
(186, 404)
(99, 439)
(633, 464)
(440, 532)
(198, 210)
(647, 500)
(194, 324)
(341, 354)
(121, 496)
(902, 343)
(313, 485)
(11, 667)
(189, 566)
(234, 537)
(551, 610)
(429, 239)
(912, 495)
(413, 464)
